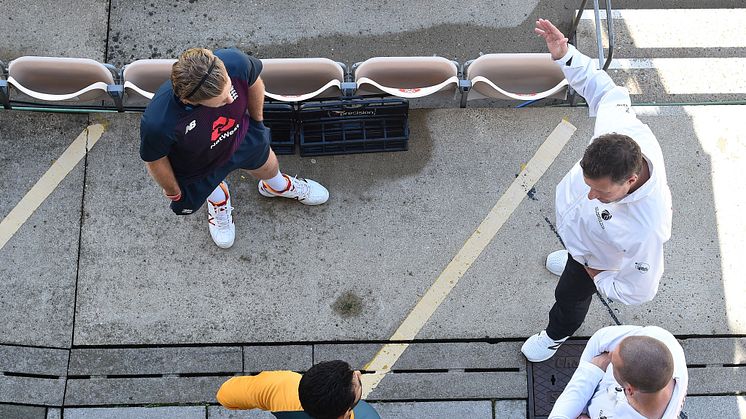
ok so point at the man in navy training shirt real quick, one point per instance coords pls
(206, 122)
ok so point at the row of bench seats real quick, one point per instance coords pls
(291, 80)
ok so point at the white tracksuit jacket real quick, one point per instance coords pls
(624, 238)
(595, 391)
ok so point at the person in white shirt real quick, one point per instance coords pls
(613, 208)
(626, 372)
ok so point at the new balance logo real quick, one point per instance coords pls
(190, 126)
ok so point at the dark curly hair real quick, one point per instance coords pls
(326, 391)
(616, 156)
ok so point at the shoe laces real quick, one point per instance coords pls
(222, 215)
(301, 186)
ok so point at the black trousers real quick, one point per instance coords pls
(572, 296)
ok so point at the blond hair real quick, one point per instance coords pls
(198, 75)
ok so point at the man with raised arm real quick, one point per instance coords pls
(626, 372)
(613, 208)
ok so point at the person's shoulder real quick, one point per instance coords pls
(233, 58)
(162, 111)
(239, 64)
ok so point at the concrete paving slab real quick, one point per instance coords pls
(285, 357)
(723, 351)
(717, 380)
(510, 409)
(165, 412)
(348, 32)
(219, 412)
(715, 406)
(155, 361)
(649, 33)
(22, 412)
(38, 265)
(472, 385)
(435, 410)
(54, 413)
(420, 356)
(678, 80)
(32, 390)
(40, 361)
(153, 292)
(53, 29)
(118, 391)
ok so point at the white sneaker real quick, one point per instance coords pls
(220, 220)
(556, 262)
(541, 347)
(304, 190)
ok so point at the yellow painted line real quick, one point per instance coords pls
(49, 182)
(385, 359)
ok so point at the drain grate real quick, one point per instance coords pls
(547, 379)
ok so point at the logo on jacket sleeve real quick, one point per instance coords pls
(642, 267)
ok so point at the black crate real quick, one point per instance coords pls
(360, 125)
(280, 119)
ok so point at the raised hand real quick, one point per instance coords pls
(556, 41)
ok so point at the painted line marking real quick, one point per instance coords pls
(384, 360)
(49, 182)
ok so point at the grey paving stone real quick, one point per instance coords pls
(172, 390)
(27, 390)
(285, 357)
(166, 412)
(349, 32)
(27, 360)
(54, 413)
(66, 28)
(452, 385)
(9, 411)
(219, 412)
(706, 351)
(714, 380)
(510, 409)
(38, 265)
(435, 410)
(155, 361)
(430, 355)
(715, 406)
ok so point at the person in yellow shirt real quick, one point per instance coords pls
(329, 390)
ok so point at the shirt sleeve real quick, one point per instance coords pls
(637, 280)
(582, 386)
(154, 144)
(609, 103)
(579, 391)
(239, 64)
(270, 391)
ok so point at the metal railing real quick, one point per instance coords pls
(603, 62)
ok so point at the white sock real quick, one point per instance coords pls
(217, 196)
(278, 183)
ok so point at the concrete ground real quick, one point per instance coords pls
(109, 300)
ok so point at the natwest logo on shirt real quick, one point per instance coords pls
(222, 128)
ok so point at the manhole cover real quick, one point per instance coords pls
(547, 379)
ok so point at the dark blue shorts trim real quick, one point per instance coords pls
(252, 154)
